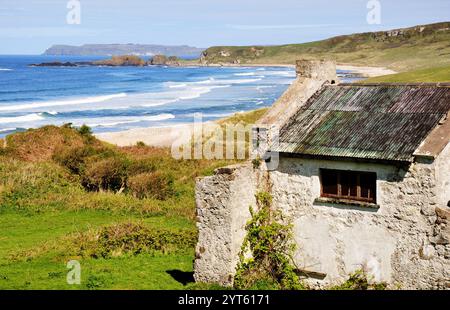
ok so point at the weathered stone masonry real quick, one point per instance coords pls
(223, 203)
(404, 240)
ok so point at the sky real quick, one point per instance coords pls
(31, 26)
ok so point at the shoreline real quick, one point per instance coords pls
(166, 136)
(244, 65)
(363, 71)
(366, 71)
(151, 136)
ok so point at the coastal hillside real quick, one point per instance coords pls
(123, 49)
(429, 75)
(127, 214)
(405, 49)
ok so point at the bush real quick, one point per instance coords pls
(139, 166)
(73, 158)
(155, 185)
(131, 239)
(106, 174)
(85, 130)
(359, 280)
(39, 145)
(36, 186)
(134, 239)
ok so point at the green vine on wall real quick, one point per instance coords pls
(266, 255)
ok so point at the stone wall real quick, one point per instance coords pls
(223, 201)
(393, 243)
(404, 242)
(443, 176)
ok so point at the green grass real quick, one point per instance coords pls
(245, 118)
(47, 216)
(22, 232)
(125, 273)
(415, 49)
(431, 75)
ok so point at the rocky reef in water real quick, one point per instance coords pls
(121, 61)
(118, 61)
(162, 60)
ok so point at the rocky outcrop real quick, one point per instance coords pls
(162, 60)
(115, 61)
(121, 61)
(118, 61)
(55, 64)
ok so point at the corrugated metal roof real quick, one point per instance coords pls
(386, 122)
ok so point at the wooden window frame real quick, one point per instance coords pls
(358, 186)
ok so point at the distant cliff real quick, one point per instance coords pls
(124, 49)
(404, 49)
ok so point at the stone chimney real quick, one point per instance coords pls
(324, 70)
(311, 76)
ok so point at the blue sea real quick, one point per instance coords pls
(119, 98)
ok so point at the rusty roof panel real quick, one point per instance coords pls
(371, 122)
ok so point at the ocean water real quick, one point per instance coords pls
(114, 99)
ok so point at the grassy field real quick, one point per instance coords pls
(430, 75)
(414, 48)
(65, 195)
(30, 260)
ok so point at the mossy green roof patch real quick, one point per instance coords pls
(378, 122)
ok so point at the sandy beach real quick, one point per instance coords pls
(366, 72)
(166, 136)
(153, 136)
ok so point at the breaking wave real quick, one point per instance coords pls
(111, 122)
(87, 100)
(22, 119)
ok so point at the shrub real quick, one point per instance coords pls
(155, 185)
(359, 280)
(132, 239)
(73, 158)
(95, 282)
(39, 145)
(85, 130)
(135, 239)
(106, 174)
(139, 166)
(36, 186)
(270, 244)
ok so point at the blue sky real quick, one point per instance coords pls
(31, 26)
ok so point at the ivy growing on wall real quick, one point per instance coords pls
(266, 254)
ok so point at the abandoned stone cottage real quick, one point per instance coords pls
(362, 171)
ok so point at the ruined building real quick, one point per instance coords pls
(363, 173)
